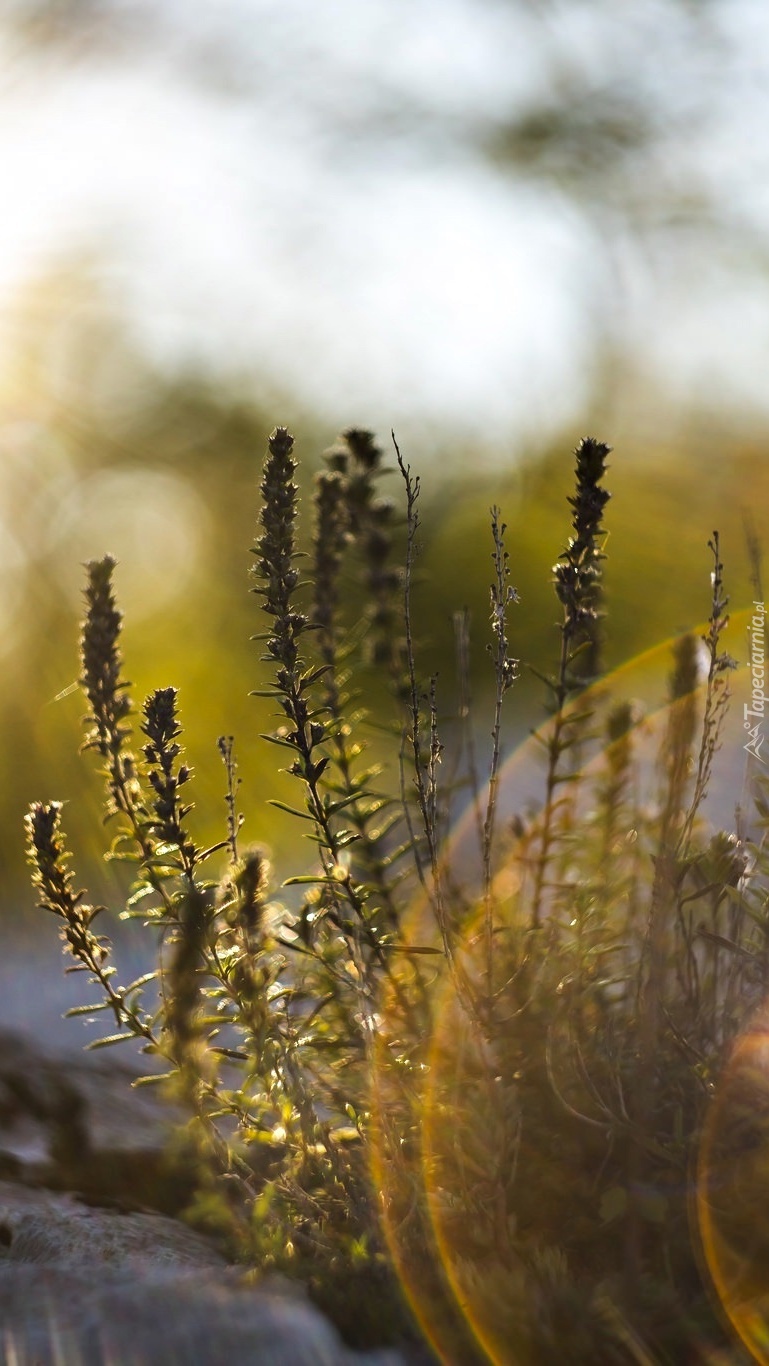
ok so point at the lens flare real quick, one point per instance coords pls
(733, 1188)
(449, 1143)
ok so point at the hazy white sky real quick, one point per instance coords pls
(290, 192)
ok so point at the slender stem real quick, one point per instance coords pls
(505, 672)
(226, 745)
(421, 764)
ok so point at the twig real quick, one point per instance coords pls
(506, 670)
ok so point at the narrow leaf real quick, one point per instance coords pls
(87, 1010)
(291, 810)
(109, 1039)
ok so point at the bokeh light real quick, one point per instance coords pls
(153, 522)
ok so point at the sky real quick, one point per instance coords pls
(305, 199)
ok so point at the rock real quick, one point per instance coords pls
(53, 1317)
(91, 1273)
(74, 1122)
(40, 1226)
(92, 1287)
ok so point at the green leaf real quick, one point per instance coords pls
(367, 774)
(386, 826)
(87, 1010)
(309, 880)
(291, 810)
(410, 948)
(543, 678)
(395, 854)
(144, 891)
(306, 680)
(212, 849)
(346, 837)
(331, 808)
(141, 981)
(724, 943)
(109, 1039)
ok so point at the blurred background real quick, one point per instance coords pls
(494, 225)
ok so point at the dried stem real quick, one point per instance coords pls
(506, 669)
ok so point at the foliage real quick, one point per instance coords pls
(510, 1092)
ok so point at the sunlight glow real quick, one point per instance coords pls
(314, 215)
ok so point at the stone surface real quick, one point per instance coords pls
(107, 1280)
(94, 1287)
(74, 1122)
(53, 1317)
(40, 1226)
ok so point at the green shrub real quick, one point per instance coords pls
(512, 1090)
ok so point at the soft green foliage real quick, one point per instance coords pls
(502, 1085)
